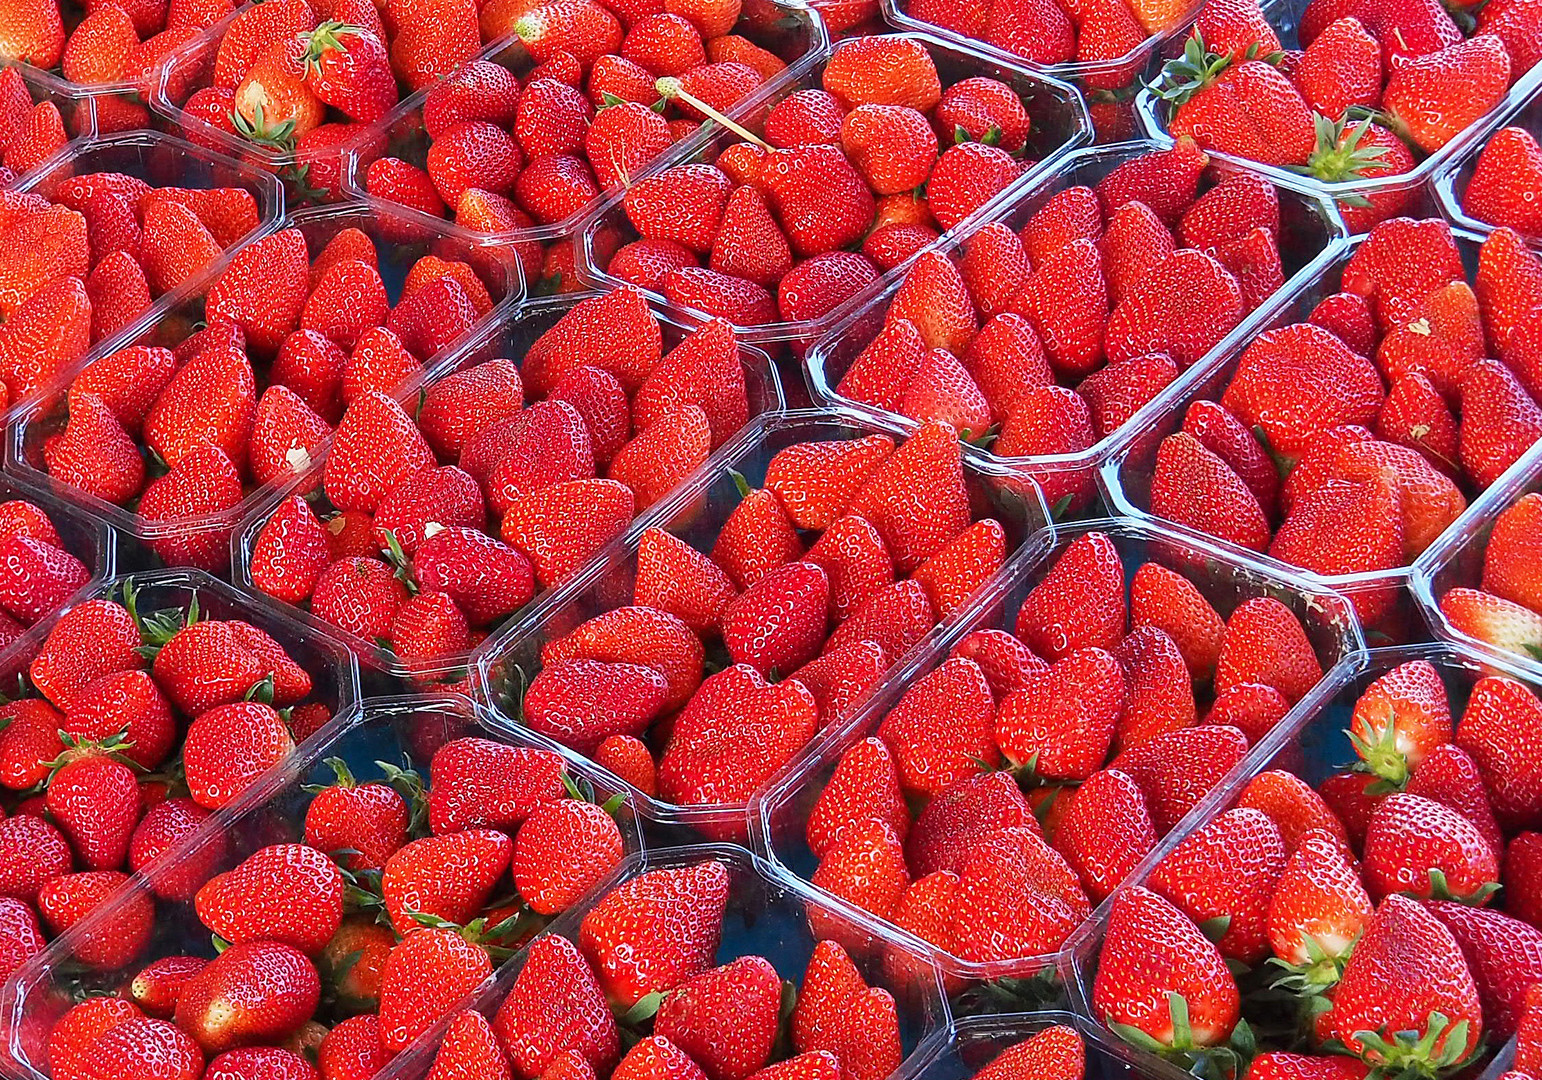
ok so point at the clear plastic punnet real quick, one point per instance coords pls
(1060, 123)
(695, 514)
(1451, 180)
(781, 812)
(508, 337)
(791, 32)
(372, 740)
(767, 916)
(1457, 561)
(203, 539)
(1312, 745)
(1310, 239)
(970, 1044)
(1381, 598)
(1285, 17)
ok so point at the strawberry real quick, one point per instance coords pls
(1419, 92)
(1246, 107)
(1489, 619)
(744, 997)
(1152, 959)
(424, 978)
(865, 867)
(252, 992)
(1400, 719)
(1498, 417)
(564, 848)
(1503, 955)
(1079, 603)
(778, 623)
(1016, 897)
(1053, 1053)
(1509, 163)
(1176, 770)
(1061, 723)
(1194, 487)
(123, 1049)
(263, 289)
(818, 196)
(290, 893)
(580, 703)
(1228, 869)
(1499, 713)
(1266, 643)
(415, 881)
(230, 746)
(735, 732)
(1318, 911)
(1406, 968)
(1066, 300)
(656, 931)
(968, 176)
(470, 1049)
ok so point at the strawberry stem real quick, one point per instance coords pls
(671, 88)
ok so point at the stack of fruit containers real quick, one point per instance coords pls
(971, 1045)
(333, 158)
(1456, 105)
(1475, 590)
(1070, 583)
(167, 669)
(302, 807)
(265, 281)
(1504, 202)
(97, 190)
(1009, 516)
(36, 580)
(508, 338)
(1057, 123)
(1341, 404)
(782, 40)
(1309, 240)
(767, 918)
(1320, 789)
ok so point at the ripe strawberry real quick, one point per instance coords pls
(290, 893)
(416, 881)
(230, 746)
(257, 992)
(1152, 953)
(1420, 92)
(1266, 643)
(745, 994)
(1508, 165)
(1405, 968)
(1194, 487)
(818, 196)
(424, 978)
(656, 931)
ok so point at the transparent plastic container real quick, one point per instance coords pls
(403, 731)
(1312, 743)
(1125, 477)
(1060, 124)
(92, 542)
(780, 813)
(160, 161)
(1285, 16)
(397, 249)
(970, 1044)
(787, 28)
(1455, 559)
(767, 916)
(1450, 181)
(509, 337)
(695, 513)
(1310, 234)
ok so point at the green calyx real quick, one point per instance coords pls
(278, 136)
(1186, 76)
(1440, 889)
(1320, 971)
(1379, 755)
(1408, 1055)
(1224, 1061)
(328, 37)
(1339, 155)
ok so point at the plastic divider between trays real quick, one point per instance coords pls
(968, 1044)
(161, 161)
(21, 441)
(1318, 718)
(1125, 476)
(93, 542)
(780, 810)
(606, 583)
(267, 812)
(1070, 127)
(512, 331)
(766, 917)
(826, 363)
(1456, 558)
(404, 124)
(1284, 16)
(1451, 179)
